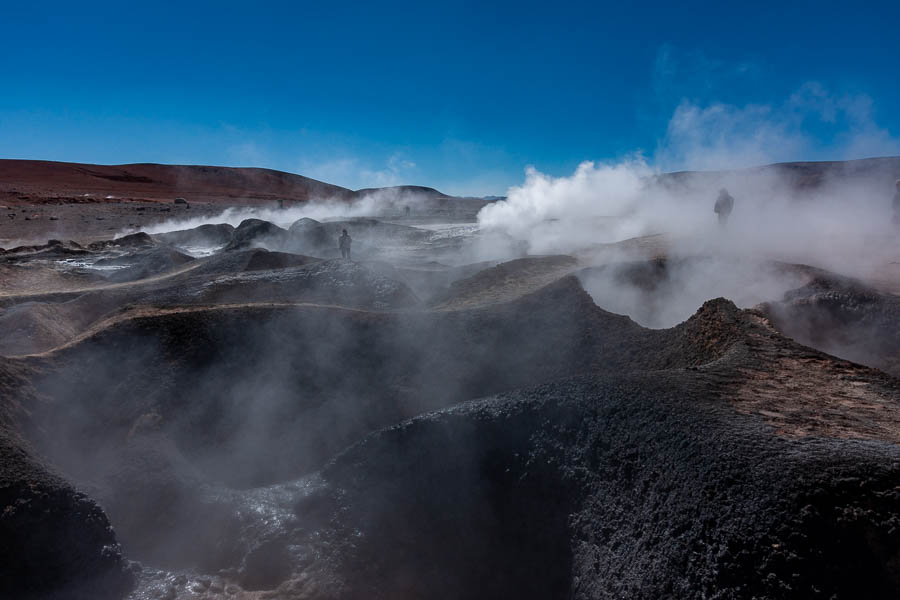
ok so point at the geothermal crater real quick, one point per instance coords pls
(237, 412)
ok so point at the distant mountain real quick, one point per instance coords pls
(800, 177)
(36, 181)
(403, 190)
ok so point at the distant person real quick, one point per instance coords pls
(406, 210)
(344, 243)
(896, 203)
(724, 205)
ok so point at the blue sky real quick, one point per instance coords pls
(461, 96)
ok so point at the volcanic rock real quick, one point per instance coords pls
(203, 236)
(57, 543)
(34, 327)
(143, 264)
(637, 486)
(843, 317)
(257, 233)
(133, 240)
(505, 281)
(309, 236)
(52, 248)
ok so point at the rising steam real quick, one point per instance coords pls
(839, 220)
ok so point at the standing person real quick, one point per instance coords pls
(724, 204)
(344, 243)
(896, 204)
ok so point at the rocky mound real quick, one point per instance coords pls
(505, 281)
(639, 487)
(35, 326)
(198, 237)
(261, 260)
(52, 247)
(133, 240)
(256, 233)
(842, 317)
(57, 543)
(27, 278)
(142, 264)
(239, 261)
(309, 236)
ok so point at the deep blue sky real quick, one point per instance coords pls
(459, 95)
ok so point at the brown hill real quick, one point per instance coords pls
(36, 181)
(30, 181)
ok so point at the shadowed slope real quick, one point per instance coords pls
(640, 486)
(56, 542)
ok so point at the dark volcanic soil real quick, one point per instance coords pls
(844, 317)
(57, 543)
(273, 422)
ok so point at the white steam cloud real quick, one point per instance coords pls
(381, 202)
(836, 219)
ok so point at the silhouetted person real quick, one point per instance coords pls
(344, 243)
(896, 204)
(724, 204)
(406, 210)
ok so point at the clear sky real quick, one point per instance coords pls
(461, 96)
